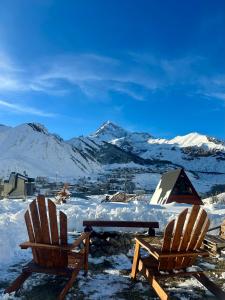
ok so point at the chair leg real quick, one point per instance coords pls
(68, 285)
(18, 282)
(135, 261)
(158, 289)
(211, 286)
(86, 256)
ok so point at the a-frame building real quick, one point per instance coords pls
(175, 186)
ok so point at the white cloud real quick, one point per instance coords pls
(138, 76)
(12, 107)
(220, 96)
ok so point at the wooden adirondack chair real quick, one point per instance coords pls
(215, 243)
(179, 249)
(51, 252)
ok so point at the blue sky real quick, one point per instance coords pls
(155, 66)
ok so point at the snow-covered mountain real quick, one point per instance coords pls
(32, 148)
(109, 131)
(112, 150)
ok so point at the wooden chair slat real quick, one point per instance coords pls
(177, 237)
(168, 236)
(37, 232)
(63, 236)
(53, 223)
(30, 233)
(178, 230)
(203, 233)
(197, 231)
(189, 227)
(187, 232)
(43, 220)
(44, 230)
(56, 254)
(29, 227)
(166, 246)
(200, 239)
(36, 222)
(63, 228)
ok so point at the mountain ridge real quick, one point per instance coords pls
(110, 150)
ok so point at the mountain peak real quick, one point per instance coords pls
(109, 131)
(197, 139)
(38, 127)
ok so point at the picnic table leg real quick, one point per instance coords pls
(151, 232)
(88, 228)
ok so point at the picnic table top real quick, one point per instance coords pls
(115, 223)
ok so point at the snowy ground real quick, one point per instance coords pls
(109, 276)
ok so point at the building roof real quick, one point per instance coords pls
(166, 186)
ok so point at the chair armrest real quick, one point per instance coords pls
(158, 254)
(67, 247)
(77, 242)
(152, 250)
(26, 245)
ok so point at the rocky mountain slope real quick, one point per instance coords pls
(31, 148)
(112, 153)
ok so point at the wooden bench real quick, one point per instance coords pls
(89, 224)
(215, 243)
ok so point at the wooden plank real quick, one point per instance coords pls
(36, 222)
(16, 284)
(30, 233)
(187, 232)
(197, 230)
(152, 281)
(63, 237)
(63, 228)
(152, 265)
(135, 260)
(68, 285)
(101, 223)
(54, 234)
(53, 223)
(166, 246)
(45, 234)
(175, 244)
(43, 220)
(200, 238)
(211, 286)
(37, 231)
(194, 237)
(34, 268)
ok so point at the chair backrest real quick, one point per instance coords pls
(222, 230)
(42, 227)
(184, 234)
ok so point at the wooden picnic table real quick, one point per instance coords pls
(89, 224)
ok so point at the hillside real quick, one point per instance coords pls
(112, 155)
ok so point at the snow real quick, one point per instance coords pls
(109, 131)
(32, 148)
(195, 139)
(12, 218)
